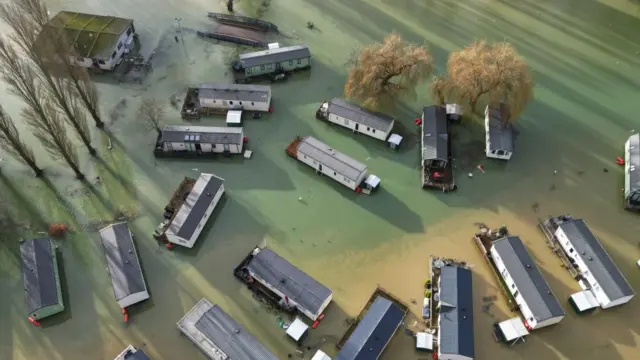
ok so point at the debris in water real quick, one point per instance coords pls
(555, 172)
(605, 170)
(470, 175)
(109, 147)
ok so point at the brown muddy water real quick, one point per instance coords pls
(585, 55)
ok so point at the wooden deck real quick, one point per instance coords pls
(445, 183)
(236, 35)
(177, 199)
(549, 227)
(243, 21)
(292, 148)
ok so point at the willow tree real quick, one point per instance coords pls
(151, 112)
(11, 142)
(440, 88)
(494, 71)
(382, 72)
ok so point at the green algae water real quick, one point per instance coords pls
(585, 57)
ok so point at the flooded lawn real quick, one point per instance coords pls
(585, 57)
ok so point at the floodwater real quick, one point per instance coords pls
(585, 56)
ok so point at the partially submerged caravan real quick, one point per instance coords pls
(436, 165)
(632, 173)
(336, 165)
(271, 62)
(131, 353)
(196, 141)
(208, 99)
(499, 133)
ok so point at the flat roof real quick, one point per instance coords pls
(584, 300)
(325, 155)
(202, 134)
(375, 120)
(276, 271)
(435, 133)
(632, 182)
(513, 329)
(275, 55)
(239, 92)
(39, 274)
(456, 311)
(602, 267)
(500, 133)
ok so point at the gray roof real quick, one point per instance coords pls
(137, 355)
(456, 311)
(201, 134)
(231, 337)
(240, 92)
(122, 260)
(373, 332)
(500, 133)
(375, 120)
(289, 280)
(435, 133)
(324, 154)
(528, 278)
(38, 272)
(634, 162)
(271, 56)
(589, 248)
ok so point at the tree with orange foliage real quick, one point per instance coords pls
(440, 89)
(381, 72)
(495, 71)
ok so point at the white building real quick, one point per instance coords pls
(537, 303)
(455, 320)
(632, 172)
(596, 267)
(131, 353)
(199, 140)
(354, 117)
(223, 97)
(97, 41)
(500, 142)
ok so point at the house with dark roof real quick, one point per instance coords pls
(219, 336)
(499, 134)
(435, 137)
(291, 285)
(96, 41)
(373, 332)
(632, 173)
(276, 60)
(123, 265)
(359, 120)
(596, 267)
(219, 98)
(132, 353)
(42, 291)
(455, 318)
(187, 223)
(194, 141)
(537, 303)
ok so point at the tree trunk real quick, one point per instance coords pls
(92, 111)
(230, 6)
(32, 164)
(72, 165)
(473, 104)
(87, 143)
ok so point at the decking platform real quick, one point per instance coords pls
(445, 182)
(177, 199)
(292, 148)
(192, 110)
(549, 228)
(236, 35)
(243, 21)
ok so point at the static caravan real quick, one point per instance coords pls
(131, 353)
(219, 336)
(632, 173)
(272, 61)
(123, 265)
(354, 117)
(435, 137)
(97, 41)
(598, 271)
(455, 319)
(219, 98)
(180, 140)
(187, 223)
(334, 164)
(523, 278)
(373, 332)
(43, 294)
(499, 134)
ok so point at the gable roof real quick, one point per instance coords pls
(239, 92)
(528, 278)
(373, 332)
(289, 280)
(202, 134)
(456, 311)
(277, 55)
(500, 134)
(325, 155)
(375, 120)
(603, 269)
(92, 36)
(632, 182)
(435, 133)
(39, 274)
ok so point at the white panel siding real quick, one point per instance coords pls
(492, 154)
(363, 129)
(330, 172)
(306, 312)
(206, 147)
(246, 105)
(178, 146)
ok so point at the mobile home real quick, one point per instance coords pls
(96, 41)
(219, 336)
(524, 280)
(131, 353)
(128, 282)
(190, 219)
(210, 99)
(499, 134)
(455, 319)
(181, 140)
(43, 294)
(354, 117)
(436, 166)
(272, 61)
(632, 173)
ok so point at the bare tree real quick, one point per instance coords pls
(383, 71)
(495, 71)
(11, 143)
(151, 111)
(440, 89)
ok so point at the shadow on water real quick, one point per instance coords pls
(67, 314)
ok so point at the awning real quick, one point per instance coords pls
(234, 117)
(395, 139)
(320, 355)
(584, 300)
(424, 341)
(513, 329)
(297, 329)
(372, 181)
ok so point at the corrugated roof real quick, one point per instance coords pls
(186, 221)
(202, 134)
(289, 280)
(456, 311)
(633, 163)
(231, 337)
(38, 272)
(435, 133)
(325, 155)
(373, 332)
(122, 260)
(603, 269)
(239, 92)
(277, 55)
(528, 279)
(375, 120)
(500, 133)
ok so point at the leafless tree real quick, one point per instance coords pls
(440, 89)
(11, 143)
(384, 71)
(151, 111)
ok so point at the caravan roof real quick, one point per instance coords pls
(435, 135)
(202, 134)
(240, 92)
(276, 55)
(324, 154)
(500, 133)
(347, 110)
(38, 272)
(456, 308)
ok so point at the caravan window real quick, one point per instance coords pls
(230, 102)
(516, 293)
(120, 45)
(290, 62)
(261, 67)
(501, 152)
(129, 32)
(299, 61)
(268, 66)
